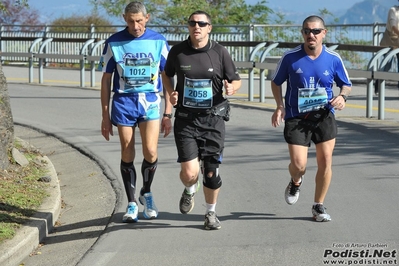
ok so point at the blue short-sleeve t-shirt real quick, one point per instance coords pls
(309, 81)
(136, 62)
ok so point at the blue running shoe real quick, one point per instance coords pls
(150, 210)
(131, 213)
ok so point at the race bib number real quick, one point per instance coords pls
(311, 99)
(137, 72)
(198, 93)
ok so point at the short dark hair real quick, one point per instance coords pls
(135, 8)
(200, 12)
(314, 18)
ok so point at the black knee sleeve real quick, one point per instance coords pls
(212, 178)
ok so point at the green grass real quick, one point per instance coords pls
(21, 192)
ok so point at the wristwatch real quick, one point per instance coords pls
(344, 96)
(167, 115)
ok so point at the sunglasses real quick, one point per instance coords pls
(202, 24)
(314, 31)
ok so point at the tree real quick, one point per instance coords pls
(6, 123)
(175, 12)
(17, 12)
(17, 2)
(6, 119)
(69, 24)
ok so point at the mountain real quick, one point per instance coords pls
(366, 12)
(354, 12)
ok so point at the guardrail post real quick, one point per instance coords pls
(262, 93)
(381, 100)
(92, 64)
(41, 63)
(251, 71)
(82, 72)
(30, 50)
(92, 74)
(82, 61)
(372, 65)
(369, 98)
(30, 70)
(251, 84)
(385, 66)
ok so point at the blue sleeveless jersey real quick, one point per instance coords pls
(303, 73)
(136, 62)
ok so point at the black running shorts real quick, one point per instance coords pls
(299, 133)
(199, 135)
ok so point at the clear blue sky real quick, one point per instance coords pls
(51, 9)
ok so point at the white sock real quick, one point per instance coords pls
(321, 203)
(192, 189)
(210, 207)
(297, 183)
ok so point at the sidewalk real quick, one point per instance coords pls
(77, 185)
(28, 236)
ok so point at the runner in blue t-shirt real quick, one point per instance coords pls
(133, 61)
(310, 71)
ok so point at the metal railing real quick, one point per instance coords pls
(249, 55)
(17, 38)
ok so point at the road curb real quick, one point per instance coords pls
(29, 236)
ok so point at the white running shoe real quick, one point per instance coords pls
(150, 210)
(319, 213)
(131, 213)
(292, 192)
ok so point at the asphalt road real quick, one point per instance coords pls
(258, 227)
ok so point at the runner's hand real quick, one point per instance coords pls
(229, 88)
(106, 128)
(278, 116)
(166, 126)
(174, 98)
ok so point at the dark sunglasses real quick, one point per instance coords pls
(202, 24)
(314, 31)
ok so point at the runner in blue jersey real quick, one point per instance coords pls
(205, 75)
(133, 61)
(310, 71)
